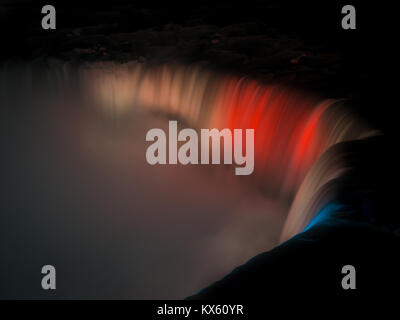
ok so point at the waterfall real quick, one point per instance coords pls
(295, 131)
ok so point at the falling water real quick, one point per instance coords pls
(296, 132)
(293, 129)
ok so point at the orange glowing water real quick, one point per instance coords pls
(292, 128)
